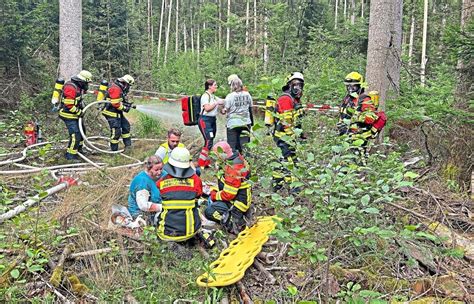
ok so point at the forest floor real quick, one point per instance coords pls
(140, 269)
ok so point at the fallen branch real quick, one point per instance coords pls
(89, 253)
(267, 257)
(409, 210)
(270, 278)
(57, 275)
(244, 296)
(30, 202)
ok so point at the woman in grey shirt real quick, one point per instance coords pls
(238, 106)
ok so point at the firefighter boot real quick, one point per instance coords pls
(113, 147)
(207, 238)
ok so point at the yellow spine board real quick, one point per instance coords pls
(230, 267)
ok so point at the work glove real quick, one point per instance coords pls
(126, 108)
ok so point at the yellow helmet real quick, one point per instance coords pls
(353, 78)
(85, 76)
(127, 79)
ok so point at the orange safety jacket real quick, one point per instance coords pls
(179, 219)
(71, 103)
(234, 186)
(116, 96)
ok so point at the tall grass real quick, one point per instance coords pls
(148, 127)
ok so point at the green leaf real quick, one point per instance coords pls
(15, 273)
(385, 188)
(365, 199)
(369, 294)
(292, 290)
(371, 210)
(411, 175)
(351, 209)
(358, 142)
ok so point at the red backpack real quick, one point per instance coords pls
(380, 121)
(191, 107)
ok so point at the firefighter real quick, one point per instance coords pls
(114, 112)
(232, 200)
(71, 109)
(355, 96)
(173, 141)
(288, 110)
(179, 221)
(144, 196)
(362, 126)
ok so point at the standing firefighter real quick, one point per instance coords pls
(232, 200)
(355, 96)
(114, 111)
(71, 110)
(288, 109)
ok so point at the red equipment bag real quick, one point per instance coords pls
(381, 120)
(191, 107)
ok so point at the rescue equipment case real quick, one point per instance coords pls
(191, 107)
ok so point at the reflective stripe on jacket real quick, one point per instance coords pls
(71, 103)
(234, 186)
(179, 219)
(116, 97)
(288, 111)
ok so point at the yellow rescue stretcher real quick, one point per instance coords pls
(230, 267)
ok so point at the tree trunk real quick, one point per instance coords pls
(247, 17)
(149, 46)
(162, 12)
(227, 43)
(168, 31)
(423, 44)
(176, 47)
(353, 9)
(335, 14)
(220, 23)
(70, 38)
(255, 25)
(362, 2)
(185, 38)
(265, 44)
(412, 37)
(384, 47)
(345, 10)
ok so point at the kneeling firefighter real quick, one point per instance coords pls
(114, 111)
(288, 110)
(232, 200)
(71, 109)
(179, 189)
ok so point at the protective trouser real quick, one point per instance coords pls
(119, 126)
(222, 212)
(75, 138)
(208, 127)
(237, 137)
(281, 174)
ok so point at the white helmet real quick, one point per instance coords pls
(295, 75)
(127, 79)
(231, 78)
(180, 157)
(85, 76)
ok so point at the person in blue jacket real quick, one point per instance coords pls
(144, 197)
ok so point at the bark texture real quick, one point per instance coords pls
(70, 38)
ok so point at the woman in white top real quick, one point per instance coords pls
(238, 106)
(207, 120)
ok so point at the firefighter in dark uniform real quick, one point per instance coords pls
(114, 112)
(71, 110)
(232, 200)
(288, 110)
(179, 188)
(355, 96)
